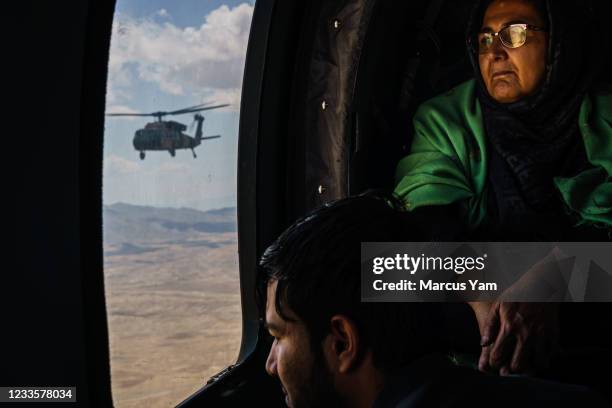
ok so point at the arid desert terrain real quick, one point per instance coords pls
(173, 300)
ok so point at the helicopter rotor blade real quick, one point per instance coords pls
(183, 111)
(191, 109)
(129, 114)
(160, 113)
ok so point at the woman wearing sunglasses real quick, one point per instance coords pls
(522, 152)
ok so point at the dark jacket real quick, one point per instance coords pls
(435, 381)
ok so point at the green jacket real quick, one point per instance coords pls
(448, 161)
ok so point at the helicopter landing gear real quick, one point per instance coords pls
(194, 155)
(142, 155)
(172, 152)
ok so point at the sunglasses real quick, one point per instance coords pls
(512, 36)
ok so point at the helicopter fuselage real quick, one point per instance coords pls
(163, 139)
(166, 136)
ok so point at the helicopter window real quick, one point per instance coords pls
(170, 232)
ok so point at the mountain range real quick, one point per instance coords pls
(130, 226)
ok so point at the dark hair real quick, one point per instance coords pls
(540, 5)
(316, 263)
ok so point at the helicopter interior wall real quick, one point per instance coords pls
(52, 304)
(405, 61)
(357, 91)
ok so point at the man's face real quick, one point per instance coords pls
(512, 74)
(304, 376)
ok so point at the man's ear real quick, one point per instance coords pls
(343, 343)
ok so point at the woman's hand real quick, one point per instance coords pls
(517, 337)
(520, 337)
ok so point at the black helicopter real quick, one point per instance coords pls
(168, 135)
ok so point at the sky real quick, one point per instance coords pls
(167, 55)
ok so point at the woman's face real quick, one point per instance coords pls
(512, 74)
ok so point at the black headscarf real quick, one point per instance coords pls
(537, 137)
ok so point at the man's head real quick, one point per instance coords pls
(329, 348)
(305, 377)
(510, 74)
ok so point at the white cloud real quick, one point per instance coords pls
(163, 13)
(206, 61)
